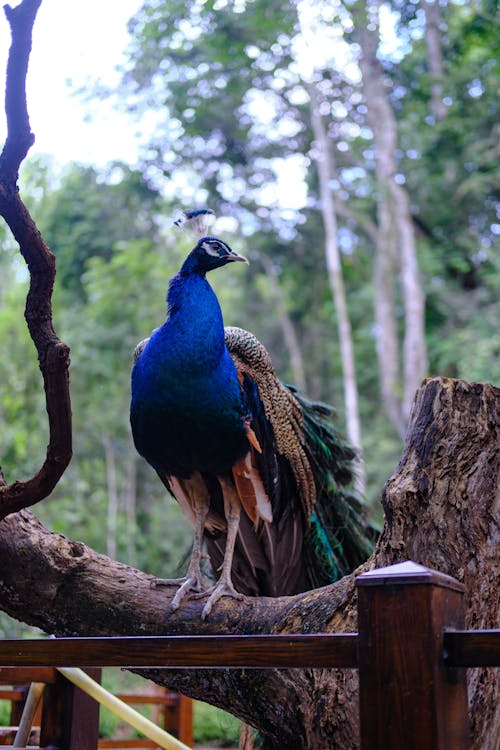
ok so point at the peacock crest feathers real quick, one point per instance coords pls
(197, 220)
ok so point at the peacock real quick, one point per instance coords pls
(257, 467)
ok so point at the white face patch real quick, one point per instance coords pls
(213, 249)
(210, 249)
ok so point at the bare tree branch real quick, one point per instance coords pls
(53, 355)
(19, 135)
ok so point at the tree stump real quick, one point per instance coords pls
(441, 508)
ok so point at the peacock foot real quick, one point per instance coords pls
(222, 588)
(191, 583)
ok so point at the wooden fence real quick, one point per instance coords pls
(410, 649)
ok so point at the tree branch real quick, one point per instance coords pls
(19, 135)
(53, 355)
(441, 511)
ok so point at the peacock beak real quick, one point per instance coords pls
(235, 256)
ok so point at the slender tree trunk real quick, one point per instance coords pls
(386, 324)
(131, 502)
(324, 161)
(415, 362)
(434, 56)
(287, 327)
(109, 456)
(442, 511)
(396, 247)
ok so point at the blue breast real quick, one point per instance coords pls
(186, 410)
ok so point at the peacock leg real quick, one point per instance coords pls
(232, 510)
(197, 496)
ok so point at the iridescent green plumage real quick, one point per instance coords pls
(339, 538)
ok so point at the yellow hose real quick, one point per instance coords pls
(79, 678)
(35, 692)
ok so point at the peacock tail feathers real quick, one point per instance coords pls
(337, 538)
(340, 538)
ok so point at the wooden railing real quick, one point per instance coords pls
(410, 650)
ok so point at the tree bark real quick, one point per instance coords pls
(441, 509)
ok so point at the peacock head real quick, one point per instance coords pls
(209, 253)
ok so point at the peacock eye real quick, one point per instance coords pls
(212, 248)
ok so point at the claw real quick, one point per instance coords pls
(193, 581)
(222, 588)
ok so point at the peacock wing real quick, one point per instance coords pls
(276, 418)
(269, 555)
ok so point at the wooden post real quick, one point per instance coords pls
(70, 717)
(408, 698)
(178, 718)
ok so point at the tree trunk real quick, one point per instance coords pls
(326, 171)
(289, 334)
(109, 455)
(434, 56)
(130, 492)
(396, 248)
(441, 509)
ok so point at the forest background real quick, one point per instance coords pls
(359, 179)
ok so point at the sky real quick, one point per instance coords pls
(75, 41)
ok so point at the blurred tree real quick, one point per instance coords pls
(89, 213)
(326, 175)
(396, 253)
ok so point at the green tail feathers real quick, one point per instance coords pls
(340, 538)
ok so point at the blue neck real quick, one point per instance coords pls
(194, 322)
(186, 410)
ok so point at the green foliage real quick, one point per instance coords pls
(215, 726)
(89, 214)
